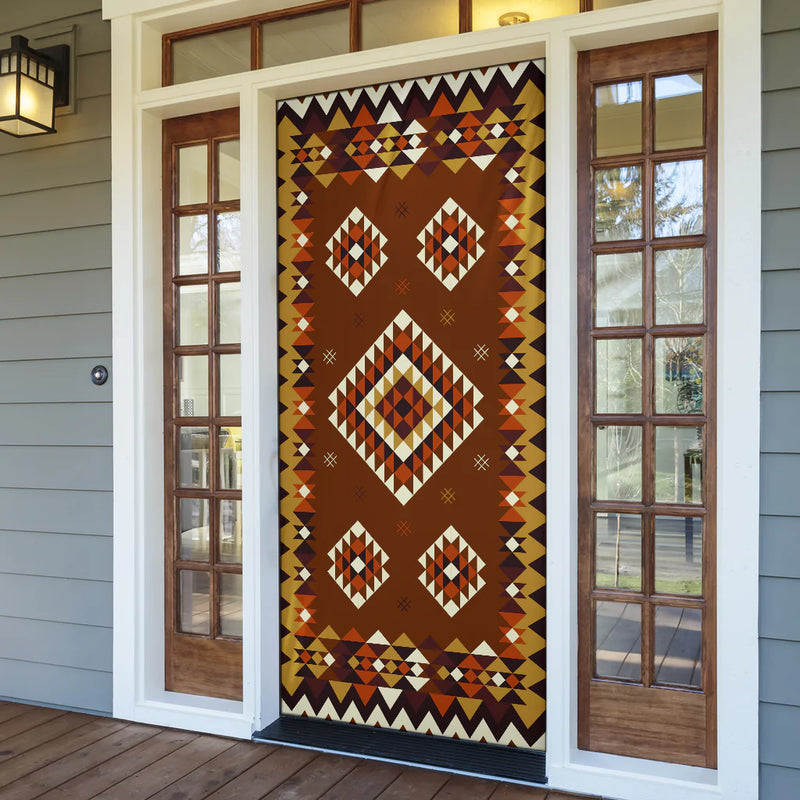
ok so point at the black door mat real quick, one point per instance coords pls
(486, 760)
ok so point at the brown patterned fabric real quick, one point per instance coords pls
(412, 405)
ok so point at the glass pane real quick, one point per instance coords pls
(230, 313)
(193, 245)
(193, 610)
(228, 170)
(679, 286)
(618, 289)
(230, 604)
(192, 374)
(679, 111)
(618, 118)
(193, 529)
(679, 198)
(618, 551)
(230, 531)
(386, 22)
(679, 646)
(679, 375)
(618, 203)
(679, 555)
(230, 385)
(192, 175)
(618, 637)
(286, 41)
(679, 465)
(229, 242)
(221, 53)
(618, 372)
(193, 458)
(486, 13)
(230, 458)
(193, 314)
(619, 462)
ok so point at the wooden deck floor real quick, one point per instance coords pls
(47, 753)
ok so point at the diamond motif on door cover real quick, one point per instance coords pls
(405, 407)
(356, 251)
(359, 564)
(450, 243)
(451, 571)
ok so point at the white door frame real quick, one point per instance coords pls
(138, 106)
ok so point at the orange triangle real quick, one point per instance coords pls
(442, 107)
(365, 692)
(443, 702)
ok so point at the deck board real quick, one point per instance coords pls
(48, 754)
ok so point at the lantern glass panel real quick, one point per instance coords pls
(36, 102)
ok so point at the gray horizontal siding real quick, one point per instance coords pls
(59, 511)
(55, 468)
(64, 687)
(56, 643)
(778, 239)
(780, 733)
(55, 425)
(779, 601)
(79, 292)
(54, 209)
(79, 336)
(78, 602)
(70, 250)
(58, 424)
(48, 555)
(780, 547)
(781, 119)
(53, 381)
(62, 165)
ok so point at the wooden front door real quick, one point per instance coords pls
(411, 278)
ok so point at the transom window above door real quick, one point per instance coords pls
(333, 27)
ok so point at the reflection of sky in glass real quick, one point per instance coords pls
(678, 85)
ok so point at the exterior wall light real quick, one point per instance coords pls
(32, 84)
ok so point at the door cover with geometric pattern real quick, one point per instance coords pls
(411, 280)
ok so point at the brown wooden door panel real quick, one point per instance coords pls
(647, 164)
(202, 410)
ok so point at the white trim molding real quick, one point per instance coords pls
(139, 104)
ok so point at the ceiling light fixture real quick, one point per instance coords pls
(514, 18)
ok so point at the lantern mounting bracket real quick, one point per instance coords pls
(59, 54)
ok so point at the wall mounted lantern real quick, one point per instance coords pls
(33, 83)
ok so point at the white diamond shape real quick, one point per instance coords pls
(343, 263)
(406, 444)
(355, 586)
(466, 588)
(455, 262)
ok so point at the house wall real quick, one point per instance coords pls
(55, 425)
(780, 431)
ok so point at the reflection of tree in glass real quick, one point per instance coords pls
(680, 389)
(618, 289)
(229, 241)
(619, 376)
(623, 471)
(679, 286)
(679, 198)
(618, 203)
